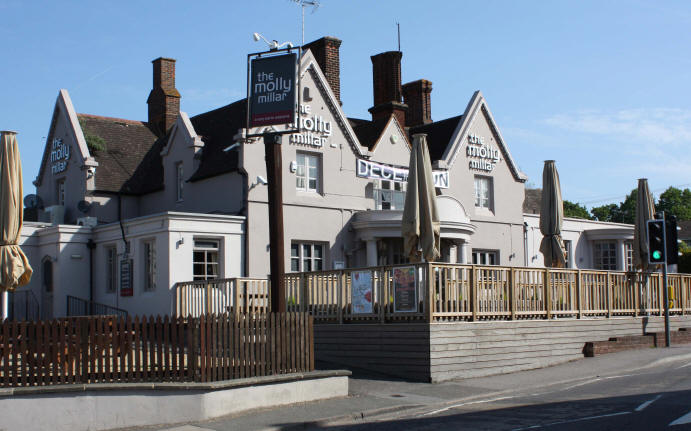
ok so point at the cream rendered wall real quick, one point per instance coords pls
(502, 228)
(173, 235)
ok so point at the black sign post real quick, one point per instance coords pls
(272, 100)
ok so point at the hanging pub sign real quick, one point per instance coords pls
(272, 90)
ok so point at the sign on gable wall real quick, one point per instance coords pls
(482, 157)
(314, 130)
(59, 155)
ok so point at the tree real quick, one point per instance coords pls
(604, 212)
(625, 212)
(676, 202)
(576, 210)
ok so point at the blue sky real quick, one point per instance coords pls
(600, 87)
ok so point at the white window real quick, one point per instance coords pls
(305, 257)
(61, 192)
(205, 257)
(485, 257)
(179, 180)
(483, 192)
(628, 248)
(307, 172)
(149, 252)
(111, 269)
(605, 256)
(389, 195)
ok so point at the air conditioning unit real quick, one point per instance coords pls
(56, 214)
(87, 221)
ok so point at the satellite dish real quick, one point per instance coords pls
(83, 206)
(32, 201)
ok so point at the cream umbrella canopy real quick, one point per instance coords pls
(420, 221)
(15, 270)
(551, 217)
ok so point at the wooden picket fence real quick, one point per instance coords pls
(108, 349)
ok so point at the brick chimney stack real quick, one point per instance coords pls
(386, 80)
(416, 95)
(327, 53)
(164, 99)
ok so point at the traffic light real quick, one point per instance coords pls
(672, 240)
(656, 241)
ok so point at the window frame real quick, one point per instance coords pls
(598, 262)
(305, 167)
(488, 191)
(477, 252)
(394, 189)
(207, 251)
(301, 258)
(60, 190)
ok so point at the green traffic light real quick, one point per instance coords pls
(657, 255)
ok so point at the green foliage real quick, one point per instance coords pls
(676, 202)
(625, 212)
(576, 210)
(94, 142)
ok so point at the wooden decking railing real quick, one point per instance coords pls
(107, 349)
(228, 295)
(449, 292)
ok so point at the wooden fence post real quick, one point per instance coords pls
(548, 294)
(579, 294)
(339, 292)
(637, 289)
(430, 295)
(512, 293)
(682, 285)
(473, 293)
(609, 295)
(660, 294)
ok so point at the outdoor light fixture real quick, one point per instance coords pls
(273, 45)
(230, 147)
(261, 180)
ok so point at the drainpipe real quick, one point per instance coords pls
(91, 245)
(525, 243)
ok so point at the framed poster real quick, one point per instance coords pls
(404, 290)
(361, 292)
(126, 288)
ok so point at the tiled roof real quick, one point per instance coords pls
(126, 144)
(532, 201)
(217, 128)
(148, 177)
(439, 135)
(368, 132)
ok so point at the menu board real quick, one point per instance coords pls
(404, 292)
(361, 291)
(126, 278)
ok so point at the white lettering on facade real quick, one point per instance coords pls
(374, 170)
(59, 154)
(315, 131)
(488, 156)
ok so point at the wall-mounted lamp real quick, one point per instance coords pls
(261, 180)
(230, 147)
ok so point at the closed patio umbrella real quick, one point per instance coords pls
(420, 221)
(645, 210)
(15, 270)
(551, 218)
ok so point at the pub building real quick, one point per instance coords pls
(141, 205)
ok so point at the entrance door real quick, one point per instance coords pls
(47, 290)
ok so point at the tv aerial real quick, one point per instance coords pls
(315, 5)
(83, 206)
(33, 201)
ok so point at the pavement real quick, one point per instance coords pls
(375, 397)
